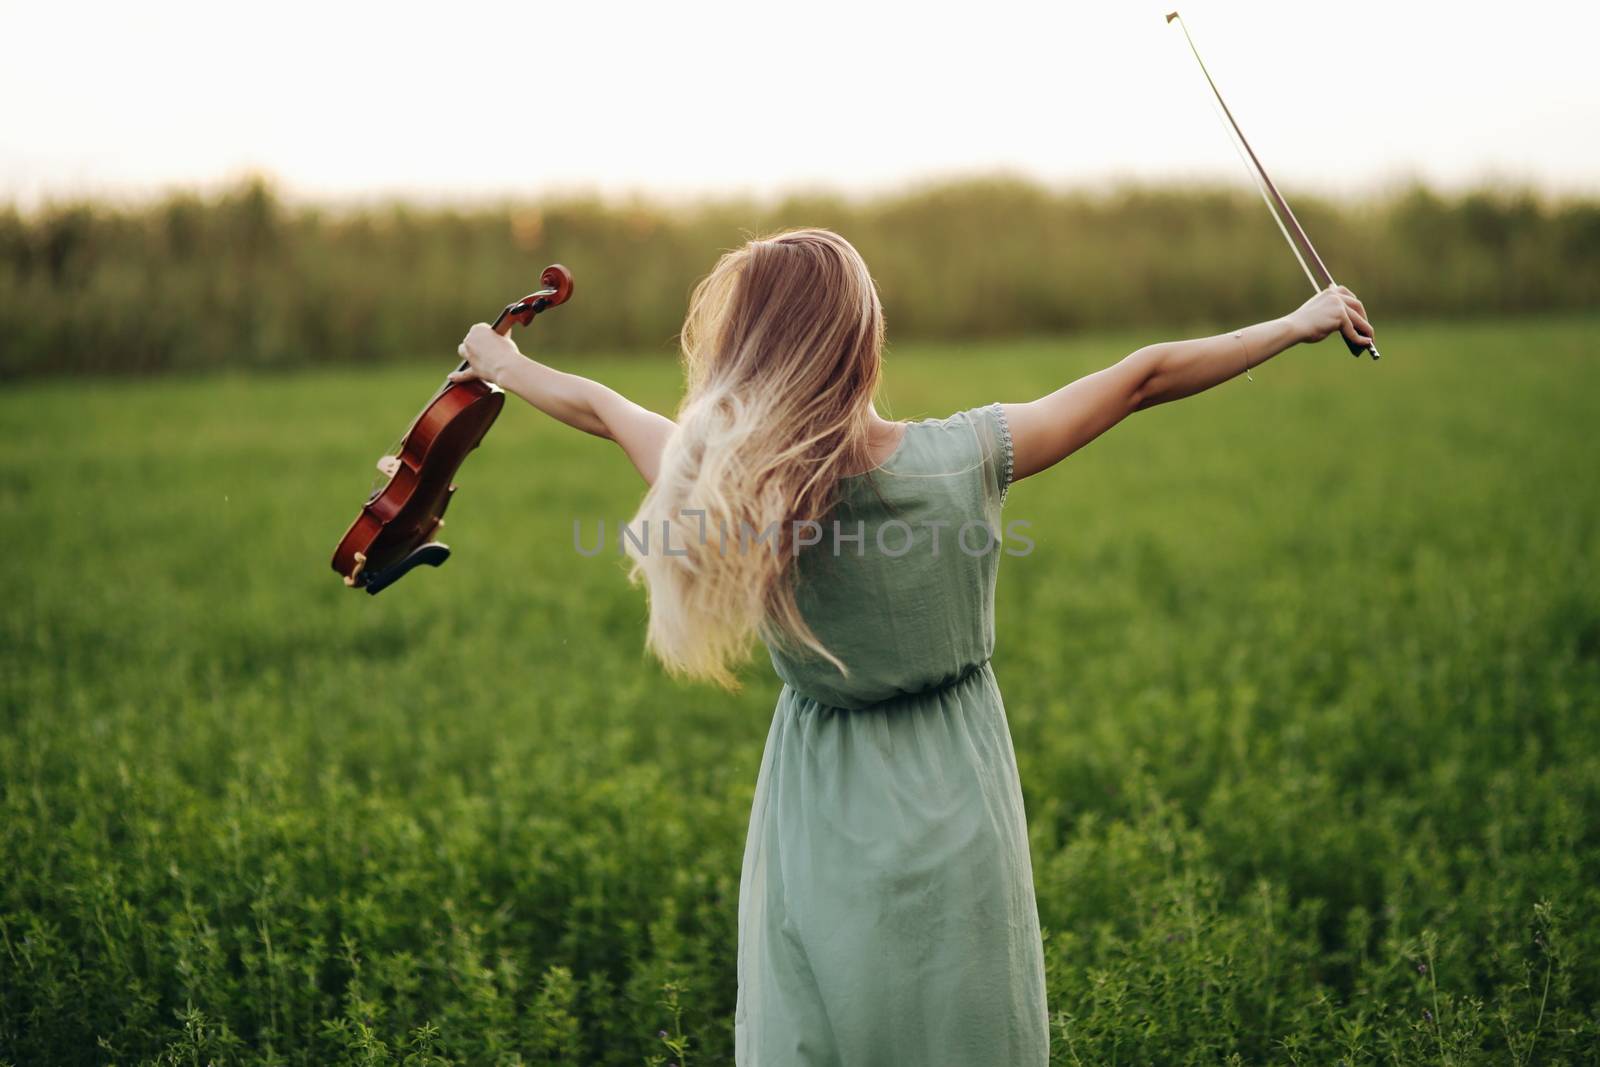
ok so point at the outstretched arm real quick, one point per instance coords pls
(1047, 430)
(579, 402)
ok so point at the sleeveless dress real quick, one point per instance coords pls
(886, 905)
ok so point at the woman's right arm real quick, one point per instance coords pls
(1047, 430)
(570, 398)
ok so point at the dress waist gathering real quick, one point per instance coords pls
(902, 695)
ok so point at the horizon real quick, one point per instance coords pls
(1100, 188)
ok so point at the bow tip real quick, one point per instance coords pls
(1171, 15)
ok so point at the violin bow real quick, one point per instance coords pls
(1304, 252)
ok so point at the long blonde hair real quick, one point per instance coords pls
(781, 351)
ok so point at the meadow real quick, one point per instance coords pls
(1303, 676)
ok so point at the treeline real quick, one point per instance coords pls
(242, 278)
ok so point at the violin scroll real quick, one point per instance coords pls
(557, 282)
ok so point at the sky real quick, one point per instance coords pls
(465, 100)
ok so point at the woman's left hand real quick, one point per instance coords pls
(488, 354)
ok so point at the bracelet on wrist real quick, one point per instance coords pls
(1238, 335)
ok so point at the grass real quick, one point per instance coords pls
(1304, 679)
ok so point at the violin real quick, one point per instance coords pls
(394, 533)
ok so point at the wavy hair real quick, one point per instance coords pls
(781, 351)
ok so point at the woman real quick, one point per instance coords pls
(886, 906)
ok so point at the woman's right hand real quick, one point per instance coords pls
(1334, 310)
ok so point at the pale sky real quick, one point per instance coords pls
(459, 100)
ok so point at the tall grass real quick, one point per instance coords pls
(242, 278)
(1304, 678)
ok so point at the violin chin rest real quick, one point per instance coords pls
(434, 553)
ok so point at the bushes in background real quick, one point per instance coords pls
(243, 278)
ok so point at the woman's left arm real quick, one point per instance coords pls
(579, 402)
(1051, 428)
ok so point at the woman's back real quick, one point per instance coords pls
(899, 584)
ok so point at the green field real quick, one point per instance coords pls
(1304, 679)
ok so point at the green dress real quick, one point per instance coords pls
(886, 906)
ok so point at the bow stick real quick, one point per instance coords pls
(1277, 206)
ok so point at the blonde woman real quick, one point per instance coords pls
(886, 905)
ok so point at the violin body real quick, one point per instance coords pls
(401, 518)
(395, 531)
